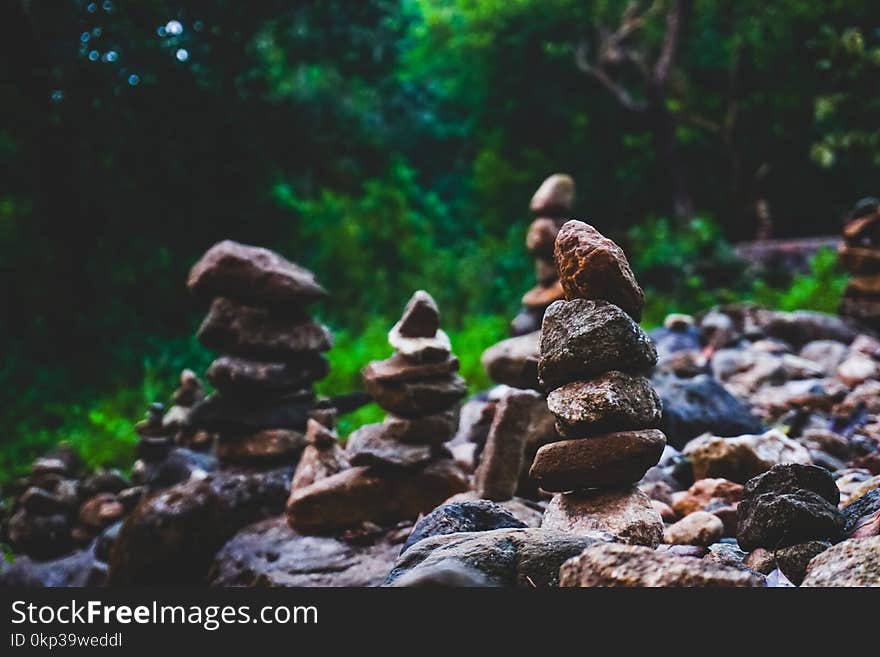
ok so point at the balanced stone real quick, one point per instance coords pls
(411, 399)
(541, 238)
(593, 267)
(398, 369)
(554, 196)
(254, 275)
(582, 338)
(256, 332)
(514, 362)
(363, 494)
(624, 512)
(614, 401)
(370, 445)
(421, 317)
(220, 413)
(322, 457)
(265, 446)
(243, 377)
(607, 461)
(433, 429)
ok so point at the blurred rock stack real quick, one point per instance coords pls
(860, 255)
(401, 468)
(593, 360)
(551, 206)
(58, 510)
(271, 353)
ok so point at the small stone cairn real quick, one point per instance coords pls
(271, 353)
(550, 206)
(860, 256)
(593, 359)
(400, 467)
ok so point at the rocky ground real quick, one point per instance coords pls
(740, 447)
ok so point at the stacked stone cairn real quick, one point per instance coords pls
(189, 393)
(593, 360)
(271, 353)
(400, 467)
(550, 205)
(860, 256)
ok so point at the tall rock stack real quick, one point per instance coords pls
(401, 468)
(271, 352)
(550, 206)
(593, 360)
(860, 255)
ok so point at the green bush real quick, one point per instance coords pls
(819, 290)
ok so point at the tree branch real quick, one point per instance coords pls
(601, 75)
(675, 19)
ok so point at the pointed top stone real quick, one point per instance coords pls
(591, 266)
(319, 435)
(253, 275)
(421, 317)
(554, 196)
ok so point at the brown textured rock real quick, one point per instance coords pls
(514, 362)
(591, 266)
(626, 513)
(741, 458)
(607, 461)
(243, 377)
(398, 369)
(583, 338)
(322, 457)
(855, 562)
(609, 402)
(411, 399)
(704, 491)
(635, 566)
(249, 331)
(698, 528)
(794, 559)
(433, 429)
(498, 474)
(554, 196)
(361, 494)
(266, 446)
(254, 275)
(541, 238)
(859, 260)
(369, 445)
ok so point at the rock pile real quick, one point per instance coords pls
(189, 393)
(271, 352)
(59, 510)
(400, 467)
(593, 360)
(550, 206)
(790, 505)
(860, 255)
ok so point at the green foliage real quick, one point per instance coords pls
(684, 267)
(820, 290)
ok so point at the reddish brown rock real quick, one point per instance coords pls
(322, 457)
(541, 297)
(705, 491)
(254, 275)
(607, 461)
(636, 566)
(698, 528)
(411, 399)
(369, 445)
(266, 446)
(513, 362)
(361, 494)
(433, 429)
(398, 369)
(541, 238)
(859, 260)
(593, 267)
